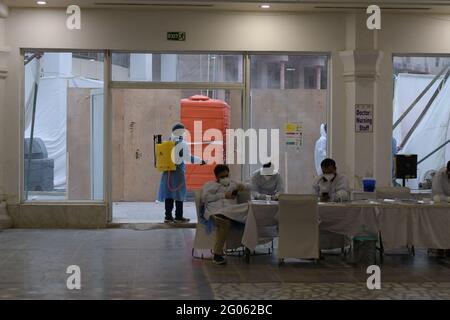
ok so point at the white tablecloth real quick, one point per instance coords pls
(348, 219)
(426, 226)
(261, 224)
(421, 225)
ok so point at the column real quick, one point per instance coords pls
(360, 63)
(5, 220)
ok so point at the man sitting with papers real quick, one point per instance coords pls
(219, 198)
(331, 186)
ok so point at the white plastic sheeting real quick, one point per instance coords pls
(51, 110)
(432, 131)
(51, 123)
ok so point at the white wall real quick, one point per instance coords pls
(218, 31)
(146, 30)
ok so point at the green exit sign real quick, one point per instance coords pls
(176, 36)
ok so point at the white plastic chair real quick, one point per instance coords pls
(298, 227)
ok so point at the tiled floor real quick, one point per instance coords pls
(147, 212)
(157, 264)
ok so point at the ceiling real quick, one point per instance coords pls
(425, 6)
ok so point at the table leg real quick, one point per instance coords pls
(247, 255)
(381, 248)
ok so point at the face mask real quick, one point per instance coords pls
(225, 181)
(329, 176)
(267, 171)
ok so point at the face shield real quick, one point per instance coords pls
(179, 132)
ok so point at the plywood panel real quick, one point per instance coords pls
(117, 145)
(145, 113)
(236, 122)
(138, 114)
(79, 144)
(271, 109)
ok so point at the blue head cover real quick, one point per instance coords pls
(178, 125)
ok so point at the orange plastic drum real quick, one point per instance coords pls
(213, 114)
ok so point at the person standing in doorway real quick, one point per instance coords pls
(172, 188)
(320, 150)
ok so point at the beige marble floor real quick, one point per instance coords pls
(148, 212)
(157, 264)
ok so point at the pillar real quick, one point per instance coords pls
(5, 220)
(360, 63)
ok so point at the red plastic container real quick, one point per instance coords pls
(214, 114)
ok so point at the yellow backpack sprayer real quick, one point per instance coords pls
(163, 154)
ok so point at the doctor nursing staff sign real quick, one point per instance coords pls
(73, 21)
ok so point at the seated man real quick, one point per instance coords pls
(331, 186)
(441, 184)
(266, 182)
(219, 197)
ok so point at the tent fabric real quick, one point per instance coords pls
(432, 131)
(51, 123)
(51, 113)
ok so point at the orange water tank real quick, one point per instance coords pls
(213, 114)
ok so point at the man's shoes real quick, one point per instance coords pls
(181, 220)
(168, 220)
(219, 259)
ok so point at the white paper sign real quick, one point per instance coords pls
(293, 135)
(364, 118)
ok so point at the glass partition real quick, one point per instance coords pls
(421, 114)
(289, 93)
(184, 68)
(63, 138)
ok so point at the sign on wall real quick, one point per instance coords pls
(176, 36)
(364, 118)
(293, 136)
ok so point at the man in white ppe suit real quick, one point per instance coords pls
(331, 186)
(220, 200)
(320, 151)
(441, 184)
(266, 183)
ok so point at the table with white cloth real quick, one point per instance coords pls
(261, 224)
(348, 219)
(400, 224)
(420, 225)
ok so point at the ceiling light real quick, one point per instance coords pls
(265, 6)
(41, 3)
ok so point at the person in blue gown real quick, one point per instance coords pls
(172, 188)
